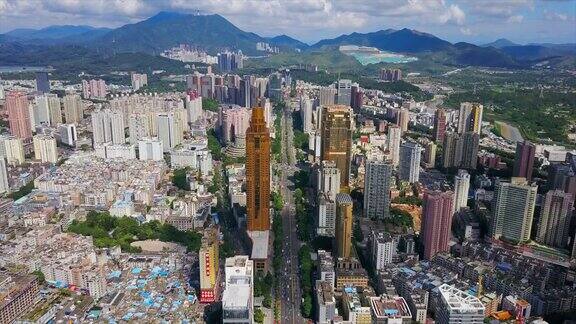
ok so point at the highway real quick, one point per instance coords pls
(290, 294)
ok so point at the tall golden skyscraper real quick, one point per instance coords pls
(337, 139)
(343, 225)
(258, 172)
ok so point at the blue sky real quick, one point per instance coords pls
(478, 21)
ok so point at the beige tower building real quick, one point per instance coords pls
(343, 225)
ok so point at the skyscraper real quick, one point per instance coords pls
(461, 188)
(393, 143)
(470, 118)
(42, 82)
(377, 189)
(436, 222)
(13, 149)
(45, 148)
(169, 132)
(4, 186)
(138, 80)
(430, 155)
(327, 96)
(439, 125)
(344, 92)
(150, 148)
(258, 173)
(68, 134)
(555, 219)
(409, 162)
(47, 110)
(513, 209)
(108, 126)
(470, 144)
(402, 119)
(329, 179)
(524, 160)
(306, 105)
(343, 225)
(73, 109)
(337, 139)
(18, 115)
(460, 151)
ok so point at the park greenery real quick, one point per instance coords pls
(278, 234)
(210, 104)
(538, 115)
(399, 218)
(325, 79)
(214, 146)
(179, 179)
(407, 200)
(23, 191)
(306, 270)
(277, 201)
(108, 231)
(258, 315)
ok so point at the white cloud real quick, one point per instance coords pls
(555, 16)
(308, 20)
(515, 19)
(466, 31)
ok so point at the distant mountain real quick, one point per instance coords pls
(54, 32)
(284, 40)
(499, 43)
(470, 54)
(404, 40)
(214, 33)
(167, 29)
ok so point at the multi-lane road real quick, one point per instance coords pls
(290, 294)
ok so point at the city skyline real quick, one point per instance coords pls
(522, 21)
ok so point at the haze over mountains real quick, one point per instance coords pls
(214, 33)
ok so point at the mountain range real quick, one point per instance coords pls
(214, 33)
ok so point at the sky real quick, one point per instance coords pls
(476, 21)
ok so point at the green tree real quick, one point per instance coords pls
(258, 315)
(180, 179)
(210, 104)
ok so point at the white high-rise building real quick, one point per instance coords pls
(108, 126)
(139, 80)
(47, 110)
(73, 108)
(393, 143)
(139, 126)
(410, 162)
(238, 295)
(383, 249)
(513, 209)
(4, 186)
(326, 218)
(68, 134)
(457, 306)
(150, 148)
(194, 108)
(461, 188)
(12, 149)
(306, 106)
(329, 179)
(169, 130)
(45, 148)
